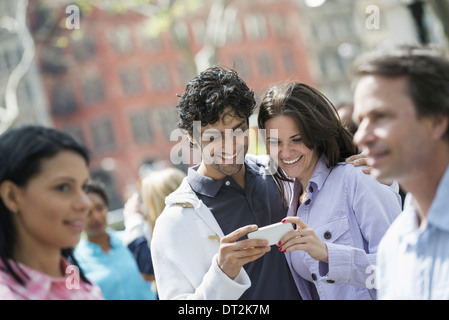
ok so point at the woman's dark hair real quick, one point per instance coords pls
(426, 69)
(22, 151)
(317, 119)
(96, 186)
(208, 94)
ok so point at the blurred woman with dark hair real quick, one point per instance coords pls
(43, 208)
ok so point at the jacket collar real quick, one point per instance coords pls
(185, 195)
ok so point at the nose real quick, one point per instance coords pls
(364, 134)
(83, 202)
(284, 151)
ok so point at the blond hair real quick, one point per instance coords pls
(155, 187)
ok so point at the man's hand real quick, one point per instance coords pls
(361, 160)
(233, 254)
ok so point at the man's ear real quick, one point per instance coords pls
(440, 126)
(191, 141)
(9, 193)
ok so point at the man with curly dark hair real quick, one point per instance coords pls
(199, 245)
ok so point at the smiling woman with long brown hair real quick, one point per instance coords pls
(341, 213)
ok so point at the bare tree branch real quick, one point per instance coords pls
(10, 112)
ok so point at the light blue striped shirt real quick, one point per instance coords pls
(414, 263)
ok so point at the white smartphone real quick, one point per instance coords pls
(272, 233)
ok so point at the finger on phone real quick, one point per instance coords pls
(237, 234)
(296, 220)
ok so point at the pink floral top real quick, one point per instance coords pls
(40, 286)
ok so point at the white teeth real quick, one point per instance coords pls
(229, 157)
(292, 161)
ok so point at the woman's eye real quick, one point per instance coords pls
(63, 187)
(297, 140)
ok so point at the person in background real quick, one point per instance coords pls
(103, 256)
(345, 111)
(139, 222)
(401, 105)
(340, 212)
(43, 208)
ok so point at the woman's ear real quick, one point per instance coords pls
(9, 193)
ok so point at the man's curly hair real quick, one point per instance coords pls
(208, 94)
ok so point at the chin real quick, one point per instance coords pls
(230, 169)
(380, 174)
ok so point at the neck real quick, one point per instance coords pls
(210, 172)
(46, 260)
(424, 182)
(101, 239)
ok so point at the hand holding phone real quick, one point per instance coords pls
(272, 233)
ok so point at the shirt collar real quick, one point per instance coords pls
(209, 187)
(202, 184)
(36, 282)
(438, 213)
(320, 173)
(94, 249)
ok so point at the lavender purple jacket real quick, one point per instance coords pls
(350, 211)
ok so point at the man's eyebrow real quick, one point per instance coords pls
(239, 124)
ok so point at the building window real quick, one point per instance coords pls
(130, 79)
(168, 120)
(76, 133)
(236, 33)
(199, 31)
(142, 127)
(256, 26)
(265, 63)
(160, 78)
(63, 100)
(184, 74)
(83, 47)
(278, 25)
(150, 41)
(103, 135)
(92, 88)
(242, 66)
(120, 39)
(288, 61)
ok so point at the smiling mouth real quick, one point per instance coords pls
(292, 161)
(229, 157)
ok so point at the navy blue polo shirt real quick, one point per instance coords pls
(259, 203)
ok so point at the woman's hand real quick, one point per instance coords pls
(303, 238)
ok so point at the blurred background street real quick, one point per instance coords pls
(108, 71)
